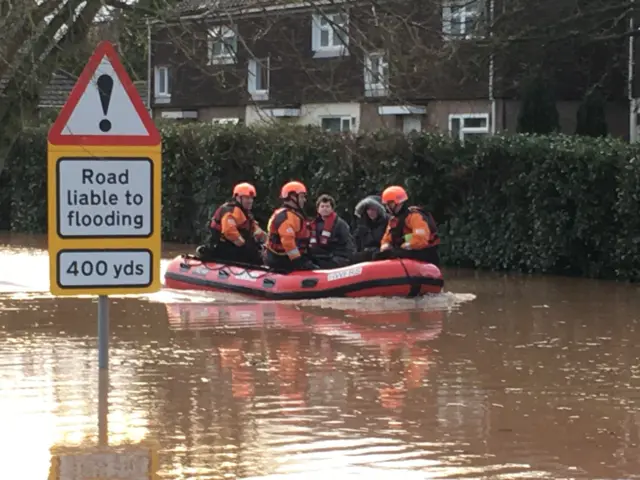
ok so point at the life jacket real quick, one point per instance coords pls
(322, 238)
(398, 229)
(302, 237)
(215, 225)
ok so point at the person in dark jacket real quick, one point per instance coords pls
(331, 244)
(371, 224)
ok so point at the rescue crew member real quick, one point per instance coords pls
(370, 227)
(234, 234)
(288, 232)
(331, 244)
(411, 232)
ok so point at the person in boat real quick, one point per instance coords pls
(411, 231)
(371, 224)
(235, 236)
(288, 232)
(331, 244)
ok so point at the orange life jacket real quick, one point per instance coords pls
(215, 225)
(398, 228)
(302, 237)
(322, 237)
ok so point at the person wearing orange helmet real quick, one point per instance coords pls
(235, 236)
(288, 231)
(411, 232)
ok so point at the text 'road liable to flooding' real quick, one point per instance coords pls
(105, 197)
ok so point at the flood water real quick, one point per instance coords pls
(499, 377)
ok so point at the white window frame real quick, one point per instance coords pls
(225, 121)
(343, 119)
(252, 78)
(229, 37)
(464, 14)
(376, 89)
(469, 130)
(333, 49)
(162, 72)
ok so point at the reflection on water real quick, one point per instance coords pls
(528, 378)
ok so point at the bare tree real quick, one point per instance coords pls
(37, 35)
(412, 49)
(427, 48)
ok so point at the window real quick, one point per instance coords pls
(226, 121)
(258, 79)
(161, 82)
(460, 18)
(330, 35)
(376, 75)
(338, 124)
(468, 125)
(411, 123)
(222, 46)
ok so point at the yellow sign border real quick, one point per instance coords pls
(153, 243)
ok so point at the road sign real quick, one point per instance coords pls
(130, 462)
(104, 186)
(104, 103)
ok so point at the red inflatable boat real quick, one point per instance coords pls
(386, 278)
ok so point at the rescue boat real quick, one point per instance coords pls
(386, 278)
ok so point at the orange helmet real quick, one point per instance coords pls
(244, 189)
(395, 194)
(292, 187)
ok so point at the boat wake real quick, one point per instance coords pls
(24, 276)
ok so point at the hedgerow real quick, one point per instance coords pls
(554, 204)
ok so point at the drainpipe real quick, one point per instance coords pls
(492, 98)
(633, 119)
(149, 68)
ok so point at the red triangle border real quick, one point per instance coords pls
(56, 137)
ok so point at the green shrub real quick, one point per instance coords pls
(556, 204)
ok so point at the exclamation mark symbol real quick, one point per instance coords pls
(105, 88)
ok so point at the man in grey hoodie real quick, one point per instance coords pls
(370, 227)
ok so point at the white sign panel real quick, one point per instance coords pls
(105, 466)
(105, 108)
(104, 268)
(105, 197)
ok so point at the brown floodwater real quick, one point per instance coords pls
(502, 376)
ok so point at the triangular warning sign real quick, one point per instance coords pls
(104, 107)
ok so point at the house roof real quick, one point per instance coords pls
(213, 7)
(200, 6)
(56, 93)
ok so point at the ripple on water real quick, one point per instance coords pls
(445, 386)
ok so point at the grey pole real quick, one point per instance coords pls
(103, 370)
(103, 332)
(103, 408)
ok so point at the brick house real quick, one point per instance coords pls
(55, 93)
(359, 66)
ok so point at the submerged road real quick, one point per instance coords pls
(502, 376)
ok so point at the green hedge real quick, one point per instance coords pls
(556, 204)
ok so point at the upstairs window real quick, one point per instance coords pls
(258, 79)
(376, 75)
(161, 84)
(330, 34)
(222, 46)
(461, 19)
